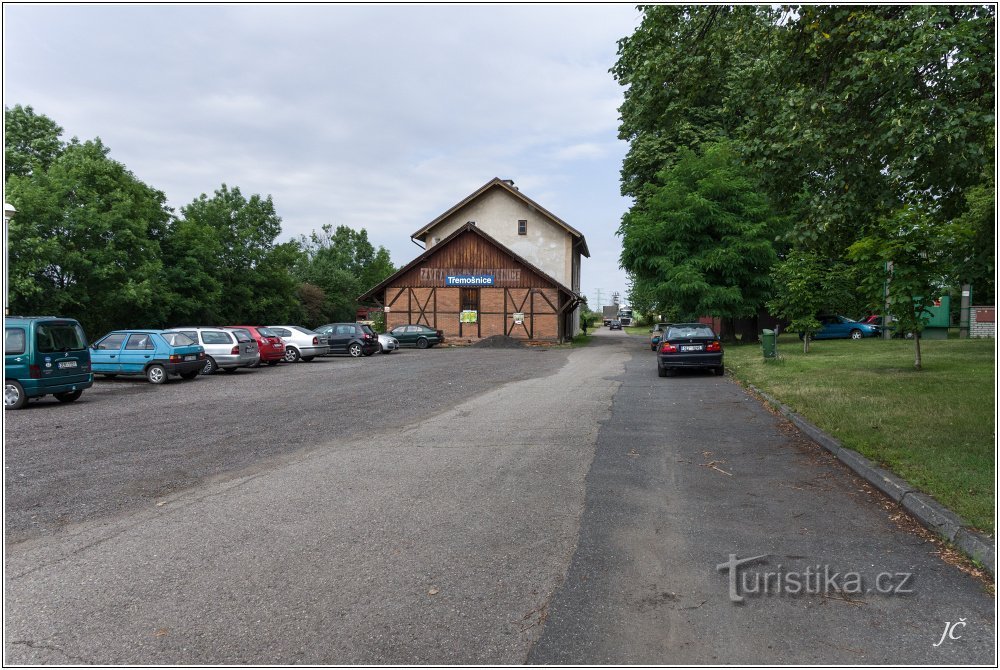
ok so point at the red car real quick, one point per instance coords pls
(272, 348)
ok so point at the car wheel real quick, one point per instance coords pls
(190, 375)
(210, 366)
(306, 359)
(13, 395)
(291, 354)
(271, 364)
(856, 334)
(661, 371)
(381, 349)
(422, 343)
(69, 396)
(354, 349)
(719, 371)
(156, 374)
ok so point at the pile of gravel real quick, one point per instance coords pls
(499, 342)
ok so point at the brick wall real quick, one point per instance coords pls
(493, 320)
(982, 321)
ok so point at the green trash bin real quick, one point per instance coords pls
(770, 343)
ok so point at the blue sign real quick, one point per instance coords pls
(468, 280)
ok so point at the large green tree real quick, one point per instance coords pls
(31, 141)
(230, 241)
(343, 263)
(702, 242)
(84, 242)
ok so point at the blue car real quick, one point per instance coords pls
(835, 327)
(155, 354)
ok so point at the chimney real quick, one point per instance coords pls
(510, 182)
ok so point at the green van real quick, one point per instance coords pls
(44, 355)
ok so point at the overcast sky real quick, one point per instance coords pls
(376, 117)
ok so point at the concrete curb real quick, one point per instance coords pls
(930, 513)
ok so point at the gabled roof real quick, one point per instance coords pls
(371, 293)
(496, 182)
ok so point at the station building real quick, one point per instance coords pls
(496, 263)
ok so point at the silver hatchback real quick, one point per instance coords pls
(225, 349)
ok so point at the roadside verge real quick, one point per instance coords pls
(930, 513)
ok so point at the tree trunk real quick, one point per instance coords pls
(916, 346)
(805, 343)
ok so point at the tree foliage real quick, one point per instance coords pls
(92, 241)
(85, 240)
(343, 264)
(702, 242)
(846, 116)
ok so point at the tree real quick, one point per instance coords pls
(806, 285)
(678, 69)
(230, 241)
(31, 142)
(904, 257)
(344, 264)
(702, 242)
(85, 241)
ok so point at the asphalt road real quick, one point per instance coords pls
(450, 506)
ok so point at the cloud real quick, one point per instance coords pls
(379, 117)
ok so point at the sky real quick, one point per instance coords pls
(371, 116)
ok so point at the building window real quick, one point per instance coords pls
(469, 299)
(522, 227)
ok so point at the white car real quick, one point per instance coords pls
(387, 343)
(301, 343)
(224, 349)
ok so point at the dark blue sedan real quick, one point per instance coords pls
(840, 327)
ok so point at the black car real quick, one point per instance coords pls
(689, 345)
(615, 325)
(356, 339)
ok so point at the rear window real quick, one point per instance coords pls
(13, 341)
(60, 337)
(215, 337)
(242, 335)
(266, 332)
(365, 327)
(178, 339)
(689, 331)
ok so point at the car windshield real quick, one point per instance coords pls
(689, 331)
(367, 329)
(60, 337)
(178, 339)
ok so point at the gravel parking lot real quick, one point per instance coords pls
(126, 442)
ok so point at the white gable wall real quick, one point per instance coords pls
(548, 246)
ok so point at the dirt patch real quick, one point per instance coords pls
(499, 342)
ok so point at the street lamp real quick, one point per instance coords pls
(8, 214)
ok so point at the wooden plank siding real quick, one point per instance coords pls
(472, 255)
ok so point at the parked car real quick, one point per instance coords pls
(269, 344)
(225, 349)
(835, 327)
(689, 345)
(615, 325)
(301, 343)
(44, 355)
(657, 332)
(153, 353)
(420, 337)
(387, 343)
(356, 339)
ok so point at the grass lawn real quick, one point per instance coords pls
(935, 428)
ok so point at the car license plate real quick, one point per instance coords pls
(66, 364)
(277, 346)
(691, 347)
(190, 358)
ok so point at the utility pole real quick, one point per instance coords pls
(598, 300)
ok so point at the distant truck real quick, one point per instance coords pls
(610, 314)
(625, 316)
